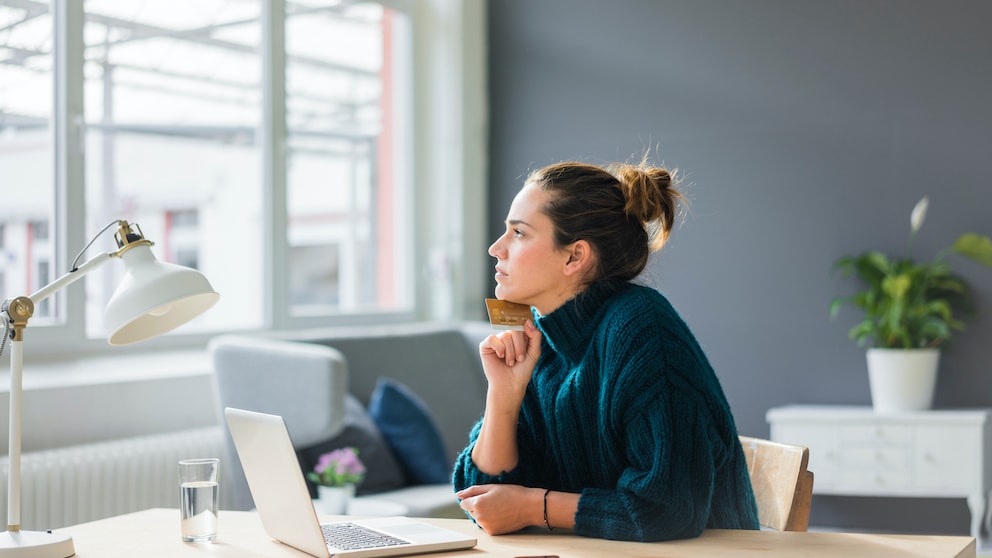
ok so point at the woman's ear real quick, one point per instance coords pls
(580, 257)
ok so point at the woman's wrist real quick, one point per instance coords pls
(505, 394)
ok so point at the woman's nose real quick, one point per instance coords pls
(494, 247)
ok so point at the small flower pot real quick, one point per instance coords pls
(333, 500)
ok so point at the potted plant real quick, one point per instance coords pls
(911, 310)
(336, 475)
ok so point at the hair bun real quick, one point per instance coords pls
(644, 191)
(650, 197)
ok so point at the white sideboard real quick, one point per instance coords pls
(855, 451)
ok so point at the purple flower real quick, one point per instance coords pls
(339, 467)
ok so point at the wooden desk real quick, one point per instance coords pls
(155, 534)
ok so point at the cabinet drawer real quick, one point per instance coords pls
(877, 458)
(877, 481)
(876, 433)
(948, 459)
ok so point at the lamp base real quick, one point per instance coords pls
(35, 544)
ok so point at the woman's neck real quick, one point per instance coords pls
(556, 300)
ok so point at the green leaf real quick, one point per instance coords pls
(835, 306)
(897, 286)
(974, 246)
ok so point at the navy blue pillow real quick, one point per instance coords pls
(409, 429)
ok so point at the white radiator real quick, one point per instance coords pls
(71, 485)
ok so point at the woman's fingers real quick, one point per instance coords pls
(509, 346)
(519, 340)
(473, 490)
(495, 345)
(533, 339)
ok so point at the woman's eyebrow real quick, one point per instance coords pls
(515, 222)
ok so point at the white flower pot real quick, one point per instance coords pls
(333, 500)
(902, 380)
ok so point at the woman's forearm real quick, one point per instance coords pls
(495, 448)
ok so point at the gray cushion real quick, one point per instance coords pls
(382, 472)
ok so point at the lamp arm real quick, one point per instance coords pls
(71, 277)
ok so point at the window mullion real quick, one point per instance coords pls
(69, 141)
(272, 135)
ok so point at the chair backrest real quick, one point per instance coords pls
(783, 487)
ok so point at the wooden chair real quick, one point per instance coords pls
(783, 487)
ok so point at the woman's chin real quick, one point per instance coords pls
(502, 292)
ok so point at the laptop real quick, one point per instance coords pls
(287, 513)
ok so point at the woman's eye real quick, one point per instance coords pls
(517, 233)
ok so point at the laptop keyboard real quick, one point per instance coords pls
(348, 536)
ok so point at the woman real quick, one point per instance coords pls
(603, 415)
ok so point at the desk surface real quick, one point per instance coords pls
(155, 533)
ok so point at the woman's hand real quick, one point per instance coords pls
(503, 508)
(509, 358)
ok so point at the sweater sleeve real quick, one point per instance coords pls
(466, 473)
(666, 489)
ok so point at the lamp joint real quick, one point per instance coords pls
(19, 310)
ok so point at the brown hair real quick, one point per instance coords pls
(624, 211)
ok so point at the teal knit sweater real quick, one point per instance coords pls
(624, 408)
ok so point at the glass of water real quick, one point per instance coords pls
(198, 498)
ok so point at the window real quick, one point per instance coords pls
(346, 185)
(268, 143)
(27, 186)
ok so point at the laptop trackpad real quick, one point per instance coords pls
(411, 529)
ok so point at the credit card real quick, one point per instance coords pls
(507, 315)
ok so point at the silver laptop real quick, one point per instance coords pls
(284, 506)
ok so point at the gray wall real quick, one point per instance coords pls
(804, 131)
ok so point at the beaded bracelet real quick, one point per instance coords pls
(546, 522)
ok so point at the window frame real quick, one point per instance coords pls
(448, 170)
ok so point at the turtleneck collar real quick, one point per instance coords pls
(569, 329)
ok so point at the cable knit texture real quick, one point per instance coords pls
(625, 409)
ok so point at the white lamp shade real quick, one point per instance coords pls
(154, 297)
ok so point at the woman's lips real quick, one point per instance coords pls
(500, 273)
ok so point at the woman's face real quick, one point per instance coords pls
(529, 269)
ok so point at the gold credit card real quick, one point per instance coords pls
(507, 315)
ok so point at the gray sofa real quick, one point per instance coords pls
(322, 381)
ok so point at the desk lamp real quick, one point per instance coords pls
(152, 298)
